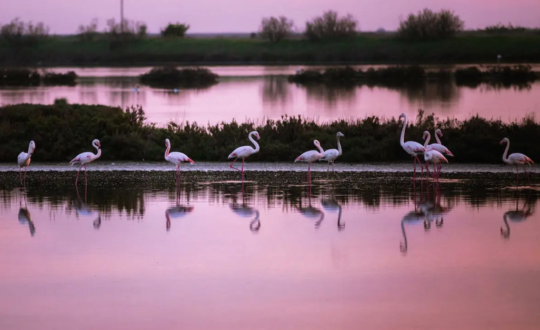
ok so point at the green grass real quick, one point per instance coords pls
(61, 131)
(68, 50)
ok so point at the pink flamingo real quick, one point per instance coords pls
(436, 146)
(436, 158)
(412, 148)
(516, 159)
(331, 155)
(310, 157)
(85, 158)
(244, 152)
(24, 160)
(176, 158)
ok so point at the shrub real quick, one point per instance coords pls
(175, 30)
(126, 30)
(330, 26)
(170, 76)
(503, 29)
(52, 78)
(18, 32)
(18, 77)
(275, 29)
(88, 32)
(430, 25)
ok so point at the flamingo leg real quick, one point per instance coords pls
(77, 179)
(420, 163)
(427, 171)
(25, 175)
(85, 180)
(243, 170)
(309, 173)
(231, 166)
(414, 173)
(20, 174)
(522, 166)
(328, 168)
(517, 173)
(178, 173)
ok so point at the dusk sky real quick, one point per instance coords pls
(64, 16)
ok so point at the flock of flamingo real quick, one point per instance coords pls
(433, 153)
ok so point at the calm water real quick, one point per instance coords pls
(259, 92)
(210, 257)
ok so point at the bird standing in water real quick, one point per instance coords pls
(24, 159)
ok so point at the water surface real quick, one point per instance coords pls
(209, 256)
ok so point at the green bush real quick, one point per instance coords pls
(170, 76)
(329, 26)
(126, 30)
(275, 29)
(430, 25)
(175, 30)
(18, 32)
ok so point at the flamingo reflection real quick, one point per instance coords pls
(245, 211)
(25, 218)
(517, 215)
(332, 205)
(177, 211)
(311, 212)
(84, 211)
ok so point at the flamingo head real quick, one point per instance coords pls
(426, 134)
(402, 116)
(340, 134)
(96, 143)
(505, 140)
(256, 134)
(167, 143)
(316, 143)
(427, 156)
(32, 147)
(438, 132)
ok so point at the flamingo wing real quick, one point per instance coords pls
(84, 158)
(21, 159)
(179, 157)
(309, 156)
(413, 148)
(330, 155)
(242, 152)
(440, 148)
(521, 159)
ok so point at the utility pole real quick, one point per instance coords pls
(122, 16)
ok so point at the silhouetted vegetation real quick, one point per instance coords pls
(88, 32)
(170, 76)
(329, 26)
(275, 29)
(399, 75)
(27, 77)
(501, 29)
(125, 30)
(64, 130)
(175, 30)
(18, 32)
(68, 50)
(430, 25)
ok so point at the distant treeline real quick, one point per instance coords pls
(63, 130)
(28, 77)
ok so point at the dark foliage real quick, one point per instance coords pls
(52, 78)
(27, 77)
(170, 76)
(275, 29)
(430, 25)
(505, 75)
(20, 33)
(61, 131)
(329, 26)
(175, 30)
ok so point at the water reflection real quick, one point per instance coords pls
(178, 211)
(25, 218)
(84, 211)
(517, 214)
(331, 205)
(245, 211)
(310, 211)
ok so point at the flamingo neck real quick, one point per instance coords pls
(98, 153)
(339, 215)
(404, 234)
(320, 149)
(505, 158)
(254, 142)
(437, 138)
(339, 146)
(167, 151)
(402, 138)
(30, 151)
(256, 215)
(427, 139)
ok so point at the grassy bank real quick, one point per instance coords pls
(62, 131)
(68, 50)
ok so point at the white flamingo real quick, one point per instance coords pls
(516, 215)
(24, 160)
(85, 158)
(436, 146)
(516, 159)
(310, 157)
(176, 158)
(436, 158)
(244, 152)
(331, 155)
(412, 148)
(175, 212)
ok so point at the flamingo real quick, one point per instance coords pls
(246, 211)
(85, 158)
(86, 212)
(436, 146)
(24, 160)
(311, 212)
(516, 159)
(412, 148)
(436, 158)
(24, 218)
(331, 155)
(176, 158)
(310, 157)
(244, 152)
(413, 217)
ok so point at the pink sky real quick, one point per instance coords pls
(64, 16)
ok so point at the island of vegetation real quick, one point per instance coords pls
(27, 77)
(170, 76)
